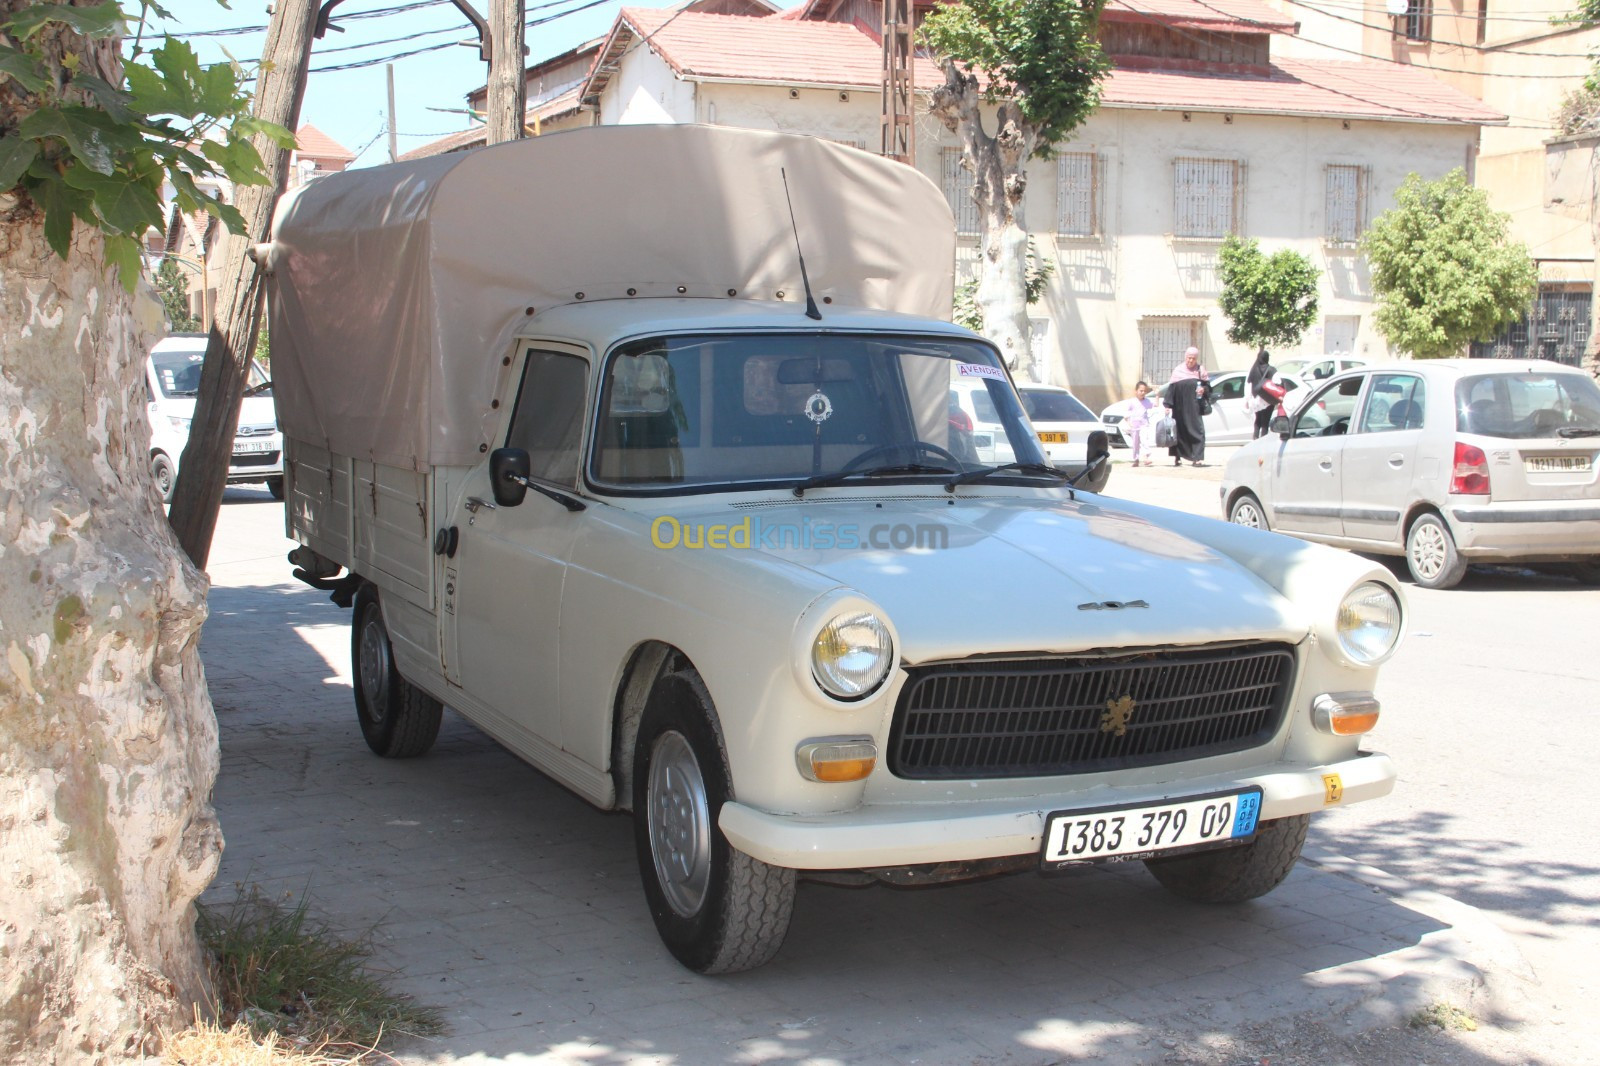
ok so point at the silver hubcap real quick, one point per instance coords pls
(680, 824)
(1427, 550)
(374, 664)
(163, 476)
(1245, 514)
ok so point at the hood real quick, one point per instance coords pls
(986, 574)
(254, 411)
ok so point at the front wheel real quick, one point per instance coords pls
(717, 909)
(164, 474)
(1246, 511)
(1233, 875)
(275, 486)
(398, 720)
(1431, 554)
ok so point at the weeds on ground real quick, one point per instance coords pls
(292, 981)
(1442, 1015)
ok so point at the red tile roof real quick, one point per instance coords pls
(787, 52)
(318, 145)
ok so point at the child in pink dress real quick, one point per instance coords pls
(1138, 425)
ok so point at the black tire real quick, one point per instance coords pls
(717, 909)
(275, 486)
(1587, 573)
(1431, 554)
(1233, 875)
(1246, 510)
(164, 473)
(398, 720)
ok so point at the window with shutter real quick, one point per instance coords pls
(1208, 197)
(957, 184)
(1078, 194)
(1346, 199)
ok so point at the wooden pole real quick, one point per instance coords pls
(508, 87)
(203, 472)
(394, 137)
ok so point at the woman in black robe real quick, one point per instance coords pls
(1187, 398)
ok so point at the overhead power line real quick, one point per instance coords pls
(530, 24)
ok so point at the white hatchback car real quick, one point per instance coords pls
(1063, 425)
(172, 380)
(1231, 420)
(1314, 368)
(1443, 461)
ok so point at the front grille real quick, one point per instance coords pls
(253, 459)
(1042, 717)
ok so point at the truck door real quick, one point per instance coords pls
(502, 606)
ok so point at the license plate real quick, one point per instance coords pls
(1053, 438)
(1545, 464)
(246, 447)
(1141, 831)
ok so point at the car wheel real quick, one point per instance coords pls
(717, 909)
(164, 474)
(1246, 511)
(398, 719)
(1233, 875)
(1586, 573)
(275, 486)
(1431, 554)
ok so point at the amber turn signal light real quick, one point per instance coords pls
(1345, 714)
(836, 759)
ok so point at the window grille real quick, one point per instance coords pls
(1208, 197)
(1417, 23)
(1078, 195)
(1346, 193)
(957, 183)
(1039, 343)
(1164, 341)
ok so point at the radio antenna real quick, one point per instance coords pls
(811, 304)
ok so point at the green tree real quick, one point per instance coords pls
(1042, 68)
(173, 288)
(1269, 299)
(1445, 269)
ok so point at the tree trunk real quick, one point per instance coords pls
(1000, 178)
(203, 471)
(108, 744)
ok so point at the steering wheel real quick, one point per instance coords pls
(914, 447)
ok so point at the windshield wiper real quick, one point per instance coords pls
(1577, 431)
(256, 390)
(971, 476)
(839, 477)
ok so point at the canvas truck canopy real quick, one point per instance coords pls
(397, 290)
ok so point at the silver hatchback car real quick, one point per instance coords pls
(1443, 461)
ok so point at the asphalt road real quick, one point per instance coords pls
(1492, 712)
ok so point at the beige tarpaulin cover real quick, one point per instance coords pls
(397, 290)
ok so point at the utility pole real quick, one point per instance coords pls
(394, 142)
(897, 123)
(203, 471)
(508, 85)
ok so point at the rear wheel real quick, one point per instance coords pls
(1431, 554)
(164, 474)
(397, 719)
(1233, 875)
(717, 909)
(1246, 511)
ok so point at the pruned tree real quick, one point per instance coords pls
(108, 744)
(1445, 269)
(1270, 300)
(173, 288)
(1038, 63)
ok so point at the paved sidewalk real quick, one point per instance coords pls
(516, 908)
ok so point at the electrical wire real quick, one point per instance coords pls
(1322, 10)
(530, 24)
(237, 31)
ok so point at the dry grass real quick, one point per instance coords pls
(207, 1044)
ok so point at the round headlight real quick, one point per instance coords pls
(852, 655)
(1369, 623)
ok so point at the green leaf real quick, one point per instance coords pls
(86, 140)
(113, 101)
(238, 160)
(16, 153)
(126, 205)
(249, 126)
(124, 254)
(102, 20)
(56, 199)
(229, 215)
(154, 92)
(23, 69)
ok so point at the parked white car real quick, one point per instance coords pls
(172, 380)
(1442, 461)
(1315, 368)
(1230, 422)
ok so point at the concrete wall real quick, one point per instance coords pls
(644, 90)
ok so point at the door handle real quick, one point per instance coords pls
(1397, 460)
(474, 502)
(1325, 463)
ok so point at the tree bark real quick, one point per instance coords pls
(203, 471)
(108, 745)
(998, 166)
(508, 84)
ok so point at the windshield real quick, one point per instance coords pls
(178, 372)
(1043, 405)
(1520, 406)
(741, 410)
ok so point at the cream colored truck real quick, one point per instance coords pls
(699, 537)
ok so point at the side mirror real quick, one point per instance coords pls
(1280, 426)
(504, 464)
(1097, 447)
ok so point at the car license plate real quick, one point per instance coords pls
(1545, 464)
(1140, 831)
(246, 447)
(1053, 438)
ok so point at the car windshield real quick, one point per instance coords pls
(1522, 406)
(742, 410)
(1045, 406)
(178, 373)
